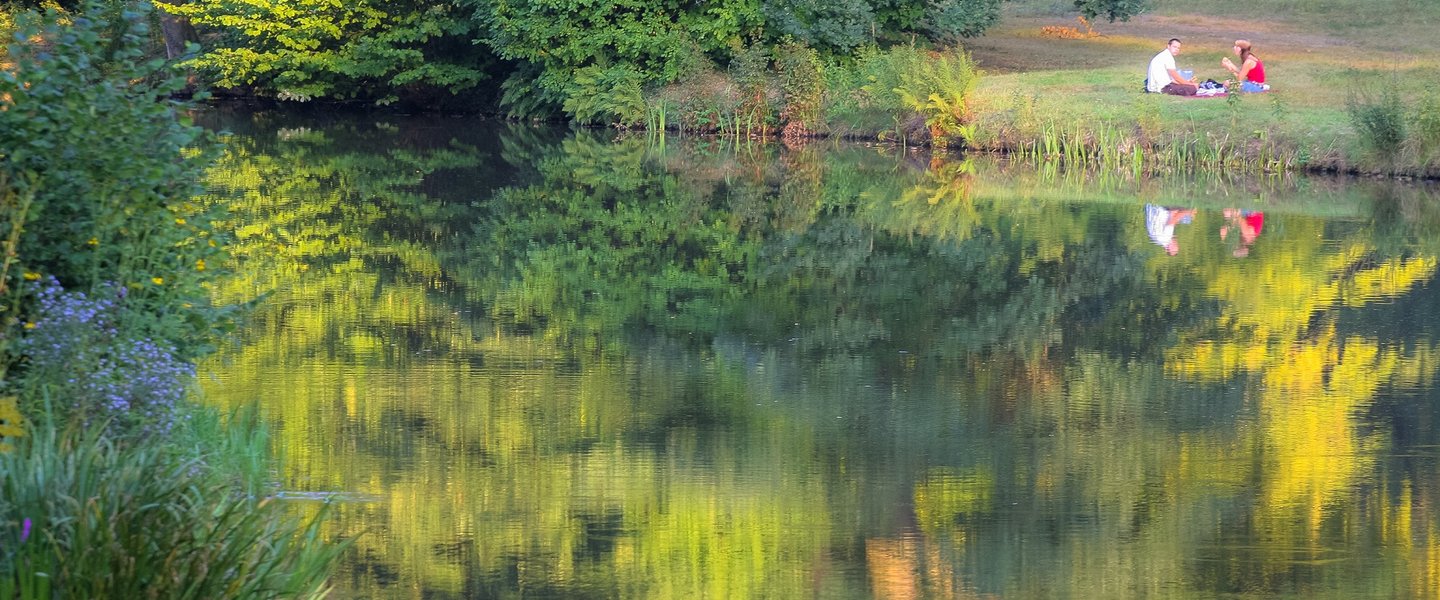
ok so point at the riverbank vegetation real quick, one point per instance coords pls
(1018, 77)
(113, 482)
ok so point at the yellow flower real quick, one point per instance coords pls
(32, 276)
(94, 241)
(212, 243)
(200, 265)
(179, 221)
(157, 280)
(30, 325)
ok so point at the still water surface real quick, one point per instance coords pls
(552, 364)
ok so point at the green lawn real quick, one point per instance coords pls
(1319, 55)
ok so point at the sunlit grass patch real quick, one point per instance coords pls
(1093, 84)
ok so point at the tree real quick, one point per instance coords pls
(550, 42)
(303, 49)
(1111, 9)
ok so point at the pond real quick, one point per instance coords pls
(544, 363)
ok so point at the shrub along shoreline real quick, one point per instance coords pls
(114, 481)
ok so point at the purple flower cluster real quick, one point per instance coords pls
(76, 348)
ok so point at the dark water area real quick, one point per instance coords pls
(546, 363)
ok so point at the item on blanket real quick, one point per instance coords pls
(1211, 84)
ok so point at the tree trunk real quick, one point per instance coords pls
(178, 33)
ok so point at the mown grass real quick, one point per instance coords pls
(1320, 57)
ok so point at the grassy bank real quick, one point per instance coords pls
(1356, 89)
(1355, 86)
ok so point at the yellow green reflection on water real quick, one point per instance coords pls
(553, 365)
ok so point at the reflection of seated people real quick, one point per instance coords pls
(1247, 222)
(1160, 222)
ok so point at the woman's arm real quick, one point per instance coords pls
(1244, 72)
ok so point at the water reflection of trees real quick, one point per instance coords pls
(562, 386)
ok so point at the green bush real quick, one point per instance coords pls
(382, 51)
(92, 136)
(802, 78)
(918, 91)
(1427, 123)
(1380, 121)
(937, 85)
(83, 517)
(750, 69)
(851, 104)
(605, 96)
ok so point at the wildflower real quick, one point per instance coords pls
(94, 241)
(200, 265)
(30, 325)
(32, 276)
(179, 221)
(157, 280)
(25, 530)
(138, 384)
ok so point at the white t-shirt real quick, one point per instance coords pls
(1160, 70)
(1157, 222)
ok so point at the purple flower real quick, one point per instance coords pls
(76, 343)
(25, 531)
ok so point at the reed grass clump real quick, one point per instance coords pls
(1426, 125)
(1379, 119)
(1116, 148)
(82, 516)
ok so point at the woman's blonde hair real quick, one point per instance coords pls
(1245, 53)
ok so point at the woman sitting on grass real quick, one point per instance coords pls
(1250, 73)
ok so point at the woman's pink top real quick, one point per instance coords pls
(1257, 73)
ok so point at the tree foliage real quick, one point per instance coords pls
(1114, 10)
(89, 131)
(551, 42)
(302, 49)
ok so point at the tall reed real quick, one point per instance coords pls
(82, 516)
(1112, 148)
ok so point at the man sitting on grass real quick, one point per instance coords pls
(1164, 78)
